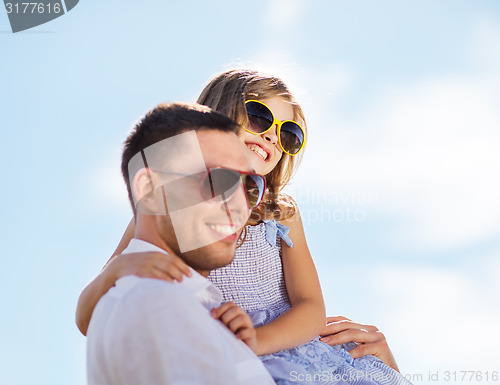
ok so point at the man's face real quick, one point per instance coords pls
(203, 231)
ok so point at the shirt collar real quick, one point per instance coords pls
(208, 295)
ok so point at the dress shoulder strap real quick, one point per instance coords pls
(274, 228)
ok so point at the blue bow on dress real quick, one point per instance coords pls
(274, 228)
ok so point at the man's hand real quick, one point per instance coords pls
(370, 340)
(168, 267)
(238, 322)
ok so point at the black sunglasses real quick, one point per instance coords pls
(222, 183)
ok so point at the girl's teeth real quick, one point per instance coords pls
(259, 151)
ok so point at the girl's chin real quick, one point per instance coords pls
(263, 170)
(261, 167)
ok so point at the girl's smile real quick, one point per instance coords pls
(259, 150)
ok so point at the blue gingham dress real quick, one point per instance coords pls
(255, 282)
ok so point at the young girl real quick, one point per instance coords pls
(272, 277)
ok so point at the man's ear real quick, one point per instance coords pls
(147, 193)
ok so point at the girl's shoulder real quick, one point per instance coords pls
(268, 231)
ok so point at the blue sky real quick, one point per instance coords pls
(402, 101)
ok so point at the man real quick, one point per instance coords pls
(179, 166)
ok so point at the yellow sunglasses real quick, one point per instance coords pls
(291, 136)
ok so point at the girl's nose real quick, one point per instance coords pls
(271, 136)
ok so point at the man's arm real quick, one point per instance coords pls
(99, 285)
(149, 265)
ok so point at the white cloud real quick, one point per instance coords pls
(485, 51)
(430, 151)
(434, 318)
(106, 186)
(443, 313)
(282, 14)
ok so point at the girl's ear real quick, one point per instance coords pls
(147, 194)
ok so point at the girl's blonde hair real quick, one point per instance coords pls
(227, 93)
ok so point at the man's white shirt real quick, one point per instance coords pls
(152, 332)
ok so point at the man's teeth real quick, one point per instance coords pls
(258, 150)
(224, 229)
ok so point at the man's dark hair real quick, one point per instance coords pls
(168, 120)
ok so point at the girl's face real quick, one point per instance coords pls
(264, 150)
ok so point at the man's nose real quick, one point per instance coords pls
(237, 206)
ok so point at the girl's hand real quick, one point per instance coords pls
(168, 267)
(238, 322)
(370, 340)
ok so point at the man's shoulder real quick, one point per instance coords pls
(150, 290)
(147, 294)
(146, 302)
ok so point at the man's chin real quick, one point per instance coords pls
(221, 253)
(210, 257)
